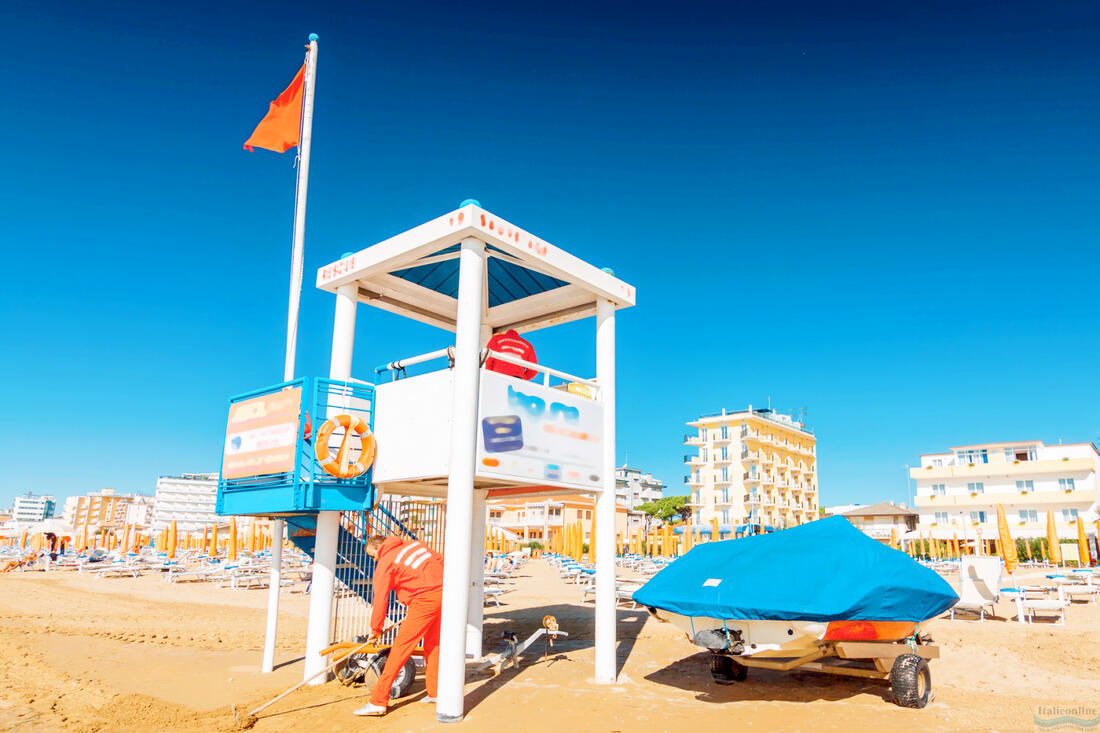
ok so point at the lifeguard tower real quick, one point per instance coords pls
(462, 432)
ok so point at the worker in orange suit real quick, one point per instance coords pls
(415, 572)
(511, 343)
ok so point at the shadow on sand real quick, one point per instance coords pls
(693, 675)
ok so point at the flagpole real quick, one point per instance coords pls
(297, 263)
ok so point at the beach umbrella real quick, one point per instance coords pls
(924, 547)
(1052, 540)
(714, 536)
(172, 540)
(1043, 550)
(1082, 544)
(232, 539)
(23, 539)
(1008, 546)
(126, 539)
(83, 538)
(214, 539)
(592, 536)
(894, 537)
(955, 546)
(1027, 549)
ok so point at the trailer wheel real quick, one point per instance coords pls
(911, 681)
(405, 677)
(726, 671)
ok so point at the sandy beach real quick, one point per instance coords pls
(90, 654)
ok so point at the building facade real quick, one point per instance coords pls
(634, 487)
(188, 499)
(103, 508)
(752, 467)
(539, 518)
(958, 491)
(882, 521)
(32, 508)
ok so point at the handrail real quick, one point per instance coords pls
(399, 365)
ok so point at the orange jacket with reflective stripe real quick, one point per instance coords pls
(408, 567)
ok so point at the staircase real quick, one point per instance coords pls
(354, 568)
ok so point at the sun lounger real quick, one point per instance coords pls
(120, 569)
(1028, 610)
(979, 579)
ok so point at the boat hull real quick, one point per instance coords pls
(766, 638)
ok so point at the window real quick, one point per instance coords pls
(939, 489)
(725, 474)
(1025, 486)
(1066, 484)
(974, 455)
(1029, 515)
(941, 518)
(725, 516)
(725, 433)
(1020, 453)
(1069, 515)
(724, 453)
(702, 434)
(977, 516)
(976, 487)
(725, 496)
(588, 514)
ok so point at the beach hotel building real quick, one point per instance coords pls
(32, 508)
(188, 500)
(103, 508)
(634, 487)
(540, 519)
(753, 466)
(958, 492)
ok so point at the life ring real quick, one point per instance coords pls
(339, 465)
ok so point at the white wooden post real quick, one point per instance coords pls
(460, 483)
(319, 630)
(606, 671)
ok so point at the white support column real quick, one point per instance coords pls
(460, 483)
(275, 582)
(606, 667)
(475, 608)
(319, 631)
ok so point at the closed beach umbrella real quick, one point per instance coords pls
(83, 538)
(172, 540)
(894, 537)
(1082, 543)
(23, 539)
(126, 539)
(205, 540)
(592, 536)
(1008, 546)
(1052, 539)
(214, 540)
(232, 539)
(714, 536)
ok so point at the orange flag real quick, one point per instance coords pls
(279, 128)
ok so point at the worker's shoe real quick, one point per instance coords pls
(371, 709)
(427, 699)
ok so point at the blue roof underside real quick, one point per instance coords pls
(508, 282)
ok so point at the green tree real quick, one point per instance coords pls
(666, 508)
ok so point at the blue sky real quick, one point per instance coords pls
(887, 214)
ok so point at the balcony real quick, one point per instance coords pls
(720, 439)
(692, 440)
(692, 481)
(720, 459)
(693, 460)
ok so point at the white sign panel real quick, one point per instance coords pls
(538, 435)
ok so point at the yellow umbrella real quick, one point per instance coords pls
(84, 538)
(252, 537)
(214, 540)
(126, 539)
(172, 540)
(592, 536)
(1082, 544)
(1052, 539)
(1008, 547)
(894, 537)
(232, 539)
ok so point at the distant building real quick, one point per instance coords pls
(188, 499)
(103, 508)
(880, 521)
(753, 466)
(958, 491)
(140, 511)
(538, 518)
(32, 508)
(634, 487)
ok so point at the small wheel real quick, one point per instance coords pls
(911, 681)
(405, 677)
(354, 669)
(726, 671)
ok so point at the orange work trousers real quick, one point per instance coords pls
(421, 622)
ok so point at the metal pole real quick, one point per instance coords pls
(475, 606)
(605, 503)
(460, 483)
(319, 630)
(297, 259)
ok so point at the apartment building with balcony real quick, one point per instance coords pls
(957, 492)
(752, 466)
(188, 500)
(634, 487)
(32, 507)
(539, 518)
(103, 508)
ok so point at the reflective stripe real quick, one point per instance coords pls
(404, 549)
(417, 557)
(420, 561)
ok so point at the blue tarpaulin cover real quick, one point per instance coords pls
(825, 570)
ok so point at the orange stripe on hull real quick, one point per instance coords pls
(869, 630)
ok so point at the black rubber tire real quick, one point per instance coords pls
(911, 681)
(405, 677)
(726, 671)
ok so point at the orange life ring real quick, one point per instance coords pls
(339, 465)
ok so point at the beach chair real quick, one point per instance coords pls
(1028, 610)
(979, 581)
